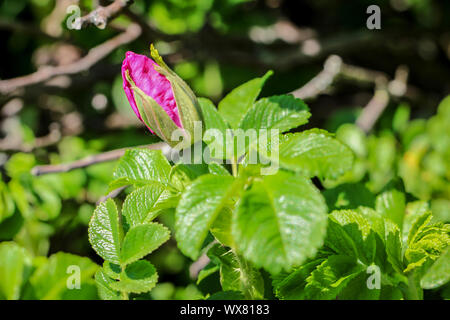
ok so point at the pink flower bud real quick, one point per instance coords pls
(141, 70)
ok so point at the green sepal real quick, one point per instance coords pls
(154, 116)
(187, 103)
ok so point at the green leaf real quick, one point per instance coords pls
(426, 242)
(138, 277)
(182, 174)
(391, 204)
(349, 196)
(216, 130)
(105, 231)
(393, 244)
(236, 104)
(281, 221)
(221, 228)
(314, 153)
(142, 240)
(198, 208)
(418, 226)
(292, 286)
(15, 266)
(111, 270)
(211, 117)
(50, 281)
(139, 167)
(350, 234)
(144, 204)
(354, 137)
(103, 283)
(414, 210)
(277, 112)
(439, 273)
(210, 269)
(357, 288)
(331, 277)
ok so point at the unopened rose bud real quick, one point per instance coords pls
(160, 98)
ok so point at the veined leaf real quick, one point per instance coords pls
(331, 277)
(426, 242)
(144, 204)
(235, 105)
(350, 234)
(393, 244)
(105, 231)
(283, 112)
(142, 240)
(198, 208)
(182, 175)
(111, 270)
(138, 277)
(141, 166)
(314, 153)
(105, 291)
(281, 221)
(292, 286)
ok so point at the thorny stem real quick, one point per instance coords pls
(246, 279)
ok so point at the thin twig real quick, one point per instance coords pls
(198, 265)
(111, 195)
(384, 88)
(375, 107)
(90, 160)
(53, 137)
(201, 262)
(100, 16)
(49, 72)
(322, 81)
